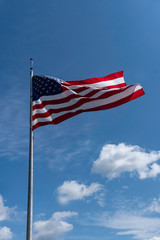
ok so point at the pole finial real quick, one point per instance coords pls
(31, 62)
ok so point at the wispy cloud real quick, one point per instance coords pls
(57, 148)
(53, 228)
(136, 220)
(117, 159)
(132, 223)
(155, 238)
(15, 124)
(154, 206)
(72, 190)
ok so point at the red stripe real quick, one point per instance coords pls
(134, 95)
(95, 80)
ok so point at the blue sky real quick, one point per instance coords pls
(96, 175)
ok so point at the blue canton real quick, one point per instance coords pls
(45, 86)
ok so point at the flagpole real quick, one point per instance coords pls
(30, 173)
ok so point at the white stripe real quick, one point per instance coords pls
(101, 84)
(93, 104)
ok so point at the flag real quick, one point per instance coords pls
(55, 100)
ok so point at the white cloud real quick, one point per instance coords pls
(134, 219)
(72, 190)
(116, 159)
(4, 211)
(54, 228)
(155, 238)
(155, 205)
(132, 223)
(100, 197)
(15, 125)
(5, 233)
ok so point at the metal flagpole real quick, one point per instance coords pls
(30, 174)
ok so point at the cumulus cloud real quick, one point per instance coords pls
(117, 159)
(53, 228)
(4, 211)
(72, 190)
(5, 233)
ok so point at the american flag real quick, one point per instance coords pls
(55, 100)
